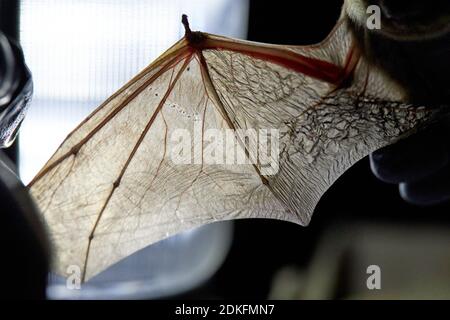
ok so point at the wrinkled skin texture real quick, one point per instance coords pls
(112, 188)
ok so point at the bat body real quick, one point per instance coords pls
(412, 47)
(120, 181)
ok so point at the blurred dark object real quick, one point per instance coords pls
(9, 26)
(9, 22)
(16, 88)
(23, 242)
(420, 165)
(411, 263)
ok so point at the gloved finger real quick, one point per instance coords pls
(411, 159)
(431, 190)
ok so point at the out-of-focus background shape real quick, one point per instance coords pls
(81, 51)
(413, 262)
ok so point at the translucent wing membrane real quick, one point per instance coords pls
(118, 184)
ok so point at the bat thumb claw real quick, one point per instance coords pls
(185, 22)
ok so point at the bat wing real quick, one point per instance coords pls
(120, 180)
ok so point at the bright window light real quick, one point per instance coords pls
(82, 51)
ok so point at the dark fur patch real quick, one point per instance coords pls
(422, 68)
